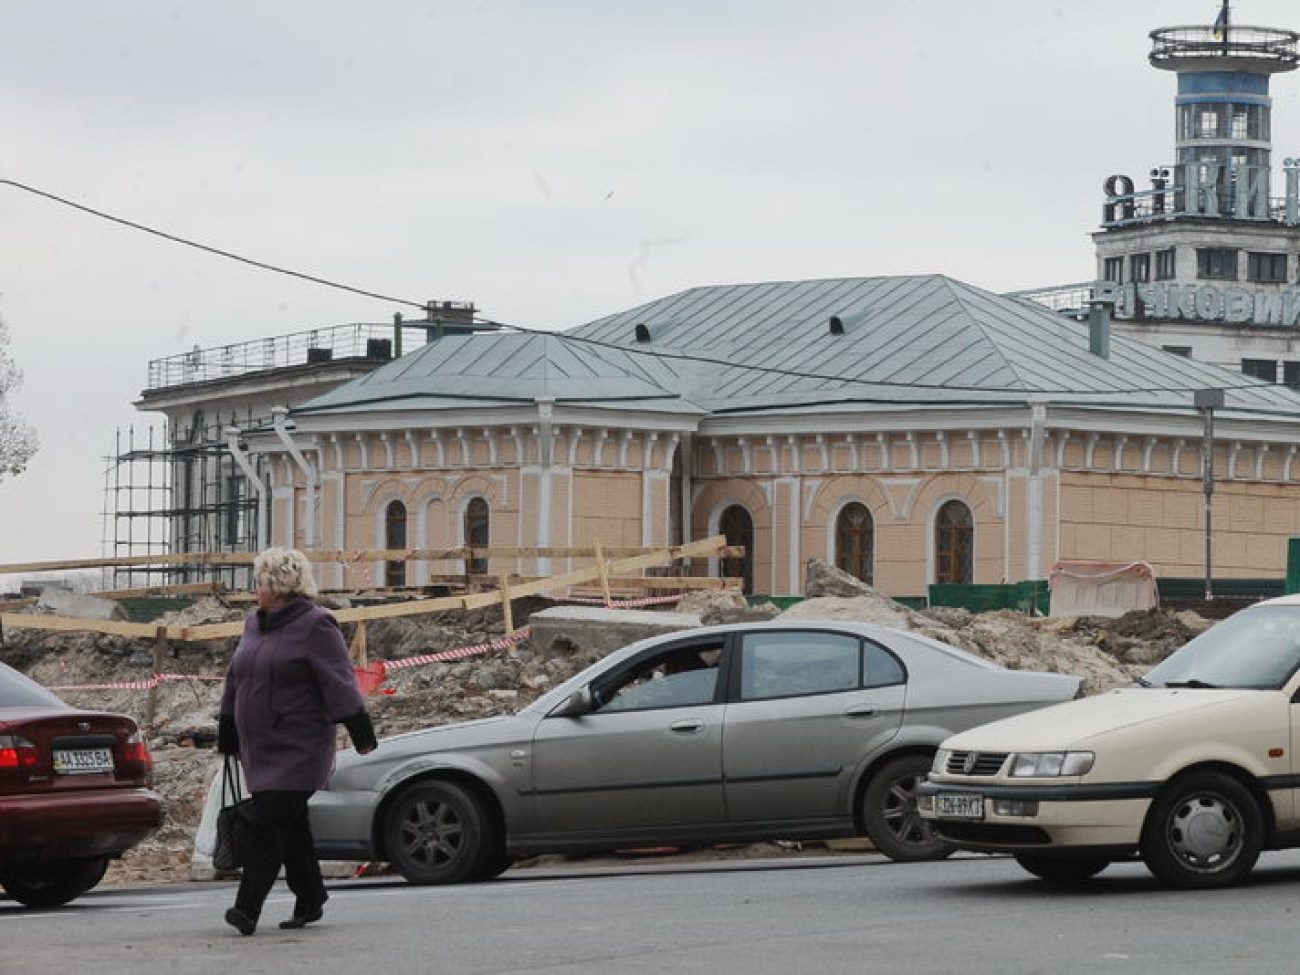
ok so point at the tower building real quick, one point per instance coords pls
(1205, 260)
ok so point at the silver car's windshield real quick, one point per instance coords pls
(1256, 648)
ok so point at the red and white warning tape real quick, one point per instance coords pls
(617, 603)
(509, 640)
(132, 685)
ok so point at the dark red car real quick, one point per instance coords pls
(74, 793)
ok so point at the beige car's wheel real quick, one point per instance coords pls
(1063, 871)
(1203, 830)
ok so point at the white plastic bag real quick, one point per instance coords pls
(205, 837)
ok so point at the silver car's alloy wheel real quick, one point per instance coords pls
(1204, 830)
(440, 833)
(889, 813)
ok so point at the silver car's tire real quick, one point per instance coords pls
(1063, 871)
(1204, 830)
(889, 813)
(440, 833)
(52, 883)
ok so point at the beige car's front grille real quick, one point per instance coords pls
(975, 763)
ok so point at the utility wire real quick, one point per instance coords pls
(210, 250)
(567, 337)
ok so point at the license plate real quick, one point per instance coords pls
(80, 761)
(959, 807)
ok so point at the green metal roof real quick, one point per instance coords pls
(770, 348)
(502, 369)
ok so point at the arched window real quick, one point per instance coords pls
(954, 544)
(395, 537)
(855, 541)
(477, 531)
(738, 527)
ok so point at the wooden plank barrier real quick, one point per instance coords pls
(715, 546)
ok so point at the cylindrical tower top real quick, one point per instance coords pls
(1224, 47)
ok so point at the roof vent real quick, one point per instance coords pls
(642, 332)
(836, 325)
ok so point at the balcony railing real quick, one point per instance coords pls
(315, 346)
(1173, 45)
(1068, 299)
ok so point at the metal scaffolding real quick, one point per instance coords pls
(171, 490)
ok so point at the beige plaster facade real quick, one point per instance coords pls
(1100, 494)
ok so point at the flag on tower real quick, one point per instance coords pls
(1221, 22)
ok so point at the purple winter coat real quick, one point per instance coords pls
(290, 681)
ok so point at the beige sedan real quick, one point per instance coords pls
(1193, 769)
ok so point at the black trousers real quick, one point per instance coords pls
(279, 835)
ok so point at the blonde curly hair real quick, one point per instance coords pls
(284, 572)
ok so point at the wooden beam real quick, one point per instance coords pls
(186, 589)
(65, 624)
(414, 607)
(345, 557)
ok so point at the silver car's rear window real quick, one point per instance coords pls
(955, 653)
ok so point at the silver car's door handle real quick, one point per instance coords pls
(689, 725)
(861, 711)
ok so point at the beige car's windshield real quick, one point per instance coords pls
(1256, 648)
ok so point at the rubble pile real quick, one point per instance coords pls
(1105, 652)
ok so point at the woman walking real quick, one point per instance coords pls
(289, 683)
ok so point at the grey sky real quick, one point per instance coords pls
(552, 161)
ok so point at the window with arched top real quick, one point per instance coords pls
(954, 544)
(477, 531)
(738, 527)
(855, 541)
(395, 538)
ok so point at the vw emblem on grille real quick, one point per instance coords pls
(968, 763)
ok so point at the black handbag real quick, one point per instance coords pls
(231, 849)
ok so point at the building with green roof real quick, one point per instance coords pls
(911, 430)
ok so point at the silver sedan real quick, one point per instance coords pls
(719, 734)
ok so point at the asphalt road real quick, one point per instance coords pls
(832, 915)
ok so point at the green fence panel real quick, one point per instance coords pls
(146, 609)
(780, 602)
(1293, 564)
(1027, 597)
(1193, 588)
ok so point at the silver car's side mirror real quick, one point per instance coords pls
(580, 702)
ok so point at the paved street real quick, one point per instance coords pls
(968, 914)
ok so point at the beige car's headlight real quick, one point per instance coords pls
(1041, 765)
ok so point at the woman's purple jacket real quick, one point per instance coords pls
(290, 681)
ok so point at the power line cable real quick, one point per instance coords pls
(830, 377)
(210, 250)
(564, 336)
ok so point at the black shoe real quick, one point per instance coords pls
(302, 920)
(241, 921)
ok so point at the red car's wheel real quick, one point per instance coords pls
(52, 883)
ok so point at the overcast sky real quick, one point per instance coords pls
(552, 161)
